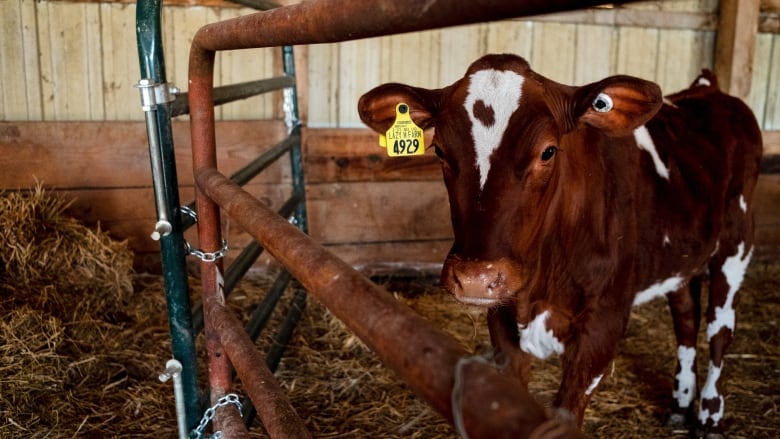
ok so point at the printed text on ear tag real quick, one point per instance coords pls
(404, 138)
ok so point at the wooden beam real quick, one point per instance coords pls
(702, 21)
(737, 29)
(770, 5)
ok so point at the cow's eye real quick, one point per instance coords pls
(548, 153)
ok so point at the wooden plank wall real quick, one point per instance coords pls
(70, 60)
(72, 117)
(79, 61)
(104, 168)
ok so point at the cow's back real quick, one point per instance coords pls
(709, 144)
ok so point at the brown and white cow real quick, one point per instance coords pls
(572, 204)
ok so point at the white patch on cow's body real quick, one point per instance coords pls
(667, 241)
(645, 142)
(658, 289)
(710, 391)
(742, 203)
(501, 91)
(537, 340)
(593, 384)
(734, 269)
(686, 378)
(703, 82)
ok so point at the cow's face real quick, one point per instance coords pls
(504, 135)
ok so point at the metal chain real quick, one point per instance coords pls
(208, 415)
(206, 256)
(189, 212)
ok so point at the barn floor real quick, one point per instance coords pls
(75, 386)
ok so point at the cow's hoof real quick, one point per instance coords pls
(676, 420)
(703, 434)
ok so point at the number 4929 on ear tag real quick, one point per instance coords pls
(404, 138)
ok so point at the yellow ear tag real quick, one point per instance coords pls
(404, 138)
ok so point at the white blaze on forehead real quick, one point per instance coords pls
(686, 378)
(645, 142)
(734, 269)
(500, 91)
(742, 203)
(658, 289)
(537, 340)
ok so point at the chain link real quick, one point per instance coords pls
(189, 212)
(206, 256)
(208, 415)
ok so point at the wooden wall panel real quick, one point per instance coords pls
(765, 101)
(104, 166)
(596, 53)
(120, 63)
(554, 51)
(79, 60)
(95, 80)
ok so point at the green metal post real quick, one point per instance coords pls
(294, 123)
(172, 249)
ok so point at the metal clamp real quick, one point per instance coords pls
(206, 256)
(153, 94)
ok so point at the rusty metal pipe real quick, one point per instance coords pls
(328, 21)
(228, 421)
(279, 418)
(491, 404)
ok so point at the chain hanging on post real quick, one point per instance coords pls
(206, 256)
(208, 415)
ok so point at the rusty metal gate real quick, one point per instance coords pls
(431, 362)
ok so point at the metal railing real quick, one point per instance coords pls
(160, 103)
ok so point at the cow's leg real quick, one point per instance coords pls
(685, 305)
(586, 359)
(726, 275)
(505, 339)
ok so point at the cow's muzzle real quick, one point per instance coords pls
(484, 283)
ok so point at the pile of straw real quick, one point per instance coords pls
(79, 351)
(62, 266)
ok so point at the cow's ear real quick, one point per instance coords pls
(377, 107)
(617, 105)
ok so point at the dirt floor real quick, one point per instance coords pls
(97, 376)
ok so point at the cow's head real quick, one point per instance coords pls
(517, 151)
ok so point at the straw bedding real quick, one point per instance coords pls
(83, 339)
